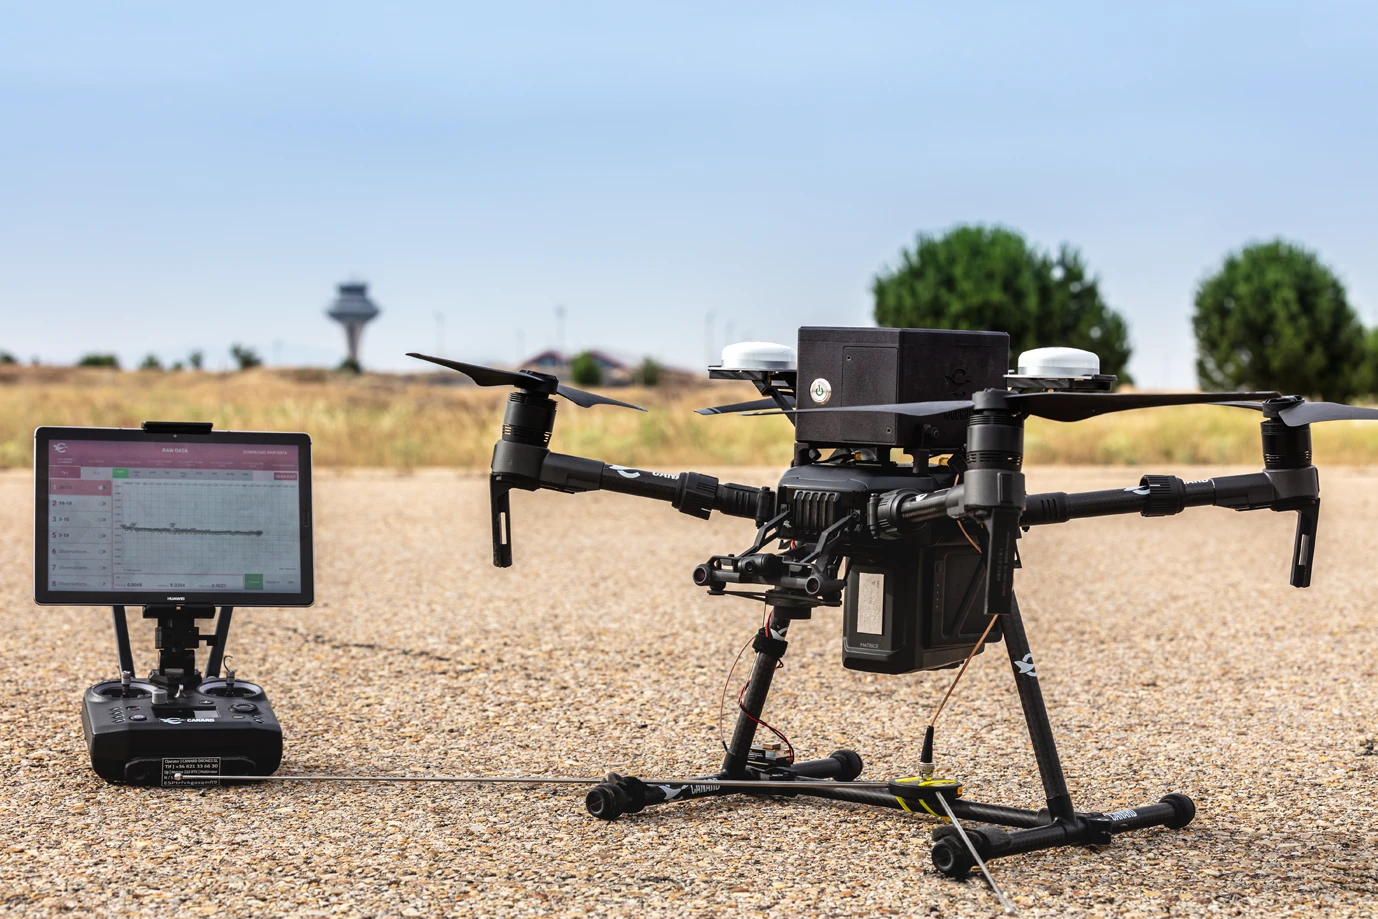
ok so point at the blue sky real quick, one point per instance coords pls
(178, 176)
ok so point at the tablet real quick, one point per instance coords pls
(129, 516)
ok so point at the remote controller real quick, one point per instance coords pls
(138, 735)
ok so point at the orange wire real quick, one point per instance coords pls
(960, 525)
(974, 648)
(979, 642)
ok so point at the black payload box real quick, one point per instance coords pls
(840, 366)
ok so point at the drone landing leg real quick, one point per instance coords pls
(627, 795)
(1036, 717)
(1062, 825)
(769, 645)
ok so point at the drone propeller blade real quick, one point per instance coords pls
(1300, 413)
(754, 405)
(1078, 406)
(523, 379)
(912, 409)
(1311, 412)
(1055, 406)
(589, 399)
(483, 376)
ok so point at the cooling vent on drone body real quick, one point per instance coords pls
(814, 511)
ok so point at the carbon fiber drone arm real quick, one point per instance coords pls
(529, 467)
(1164, 495)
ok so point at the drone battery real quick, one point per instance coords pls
(884, 366)
(909, 609)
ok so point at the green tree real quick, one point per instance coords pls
(990, 278)
(151, 362)
(349, 365)
(99, 360)
(244, 356)
(195, 359)
(585, 370)
(648, 374)
(1366, 380)
(1275, 317)
(6, 357)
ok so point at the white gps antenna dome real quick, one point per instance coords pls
(758, 355)
(1058, 362)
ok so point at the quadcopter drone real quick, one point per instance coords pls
(918, 553)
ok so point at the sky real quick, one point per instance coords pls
(179, 176)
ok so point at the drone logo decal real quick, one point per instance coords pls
(958, 383)
(59, 447)
(1026, 666)
(626, 473)
(674, 791)
(821, 391)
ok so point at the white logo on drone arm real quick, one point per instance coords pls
(1026, 666)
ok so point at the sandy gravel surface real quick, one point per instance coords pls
(1173, 655)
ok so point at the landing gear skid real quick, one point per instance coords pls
(1058, 824)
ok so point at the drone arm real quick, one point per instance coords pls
(691, 493)
(531, 467)
(1296, 489)
(1165, 495)
(1173, 495)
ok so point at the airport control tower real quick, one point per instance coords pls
(353, 309)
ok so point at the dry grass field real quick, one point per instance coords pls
(1173, 655)
(409, 422)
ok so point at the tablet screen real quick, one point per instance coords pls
(171, 518)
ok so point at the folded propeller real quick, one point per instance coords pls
(754, 407)
(529, 380)
(1056, 406)
(1295, 411)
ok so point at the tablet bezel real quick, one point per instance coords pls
(45, 596)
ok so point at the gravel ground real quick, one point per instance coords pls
(1173, 655)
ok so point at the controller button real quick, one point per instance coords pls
(245, 707)
(138, 717)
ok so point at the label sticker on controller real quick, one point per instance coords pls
(190, 771)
